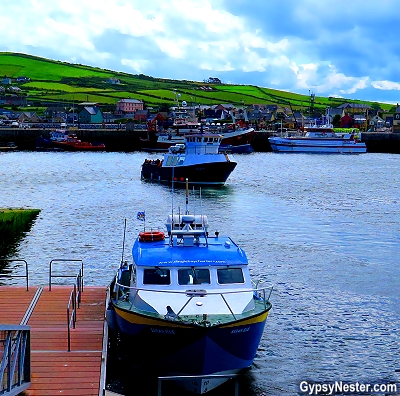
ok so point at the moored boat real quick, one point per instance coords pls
(239, 149)
(10, 146)
(187, 305)
(232, 135)
(320, 140)
(63, 140)
(198, 160)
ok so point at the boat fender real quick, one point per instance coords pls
(111, 320)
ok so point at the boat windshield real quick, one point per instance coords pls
(156, 276)
(230, 275)
(193, 276)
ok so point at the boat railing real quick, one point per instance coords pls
(26, 275)
(15, 369)
(262, 294)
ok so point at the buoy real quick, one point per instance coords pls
(150, 236)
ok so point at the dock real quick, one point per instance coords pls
(64, 359)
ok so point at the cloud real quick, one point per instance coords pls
(386, 85)
(348, 49)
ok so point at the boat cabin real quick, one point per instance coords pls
(189, 271)
(196, 144)
(59, 135)
(203, 143)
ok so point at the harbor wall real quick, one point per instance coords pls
(129, 139)
(114, 139)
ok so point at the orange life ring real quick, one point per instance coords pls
(150, 236)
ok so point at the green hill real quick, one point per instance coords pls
(61, 83)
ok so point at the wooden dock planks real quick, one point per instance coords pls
(54, 370)
(14, 301)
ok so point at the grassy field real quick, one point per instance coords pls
(61, 82)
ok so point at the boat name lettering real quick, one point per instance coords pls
(243, 330)
(162, 331)
(191, 262)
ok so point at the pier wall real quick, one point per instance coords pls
(129, 140)
(114, 139)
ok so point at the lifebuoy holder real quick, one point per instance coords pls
(151, 236)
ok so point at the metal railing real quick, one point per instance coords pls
(75, 297)
(71, 314)
(15, 375)
(259, 293)
(63, 275)
(26, 276)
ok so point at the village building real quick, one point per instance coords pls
(90, 114)
(125, 106)
(113, 80)
(55, 114)
(29, 117)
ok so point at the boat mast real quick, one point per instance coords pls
(187, 196)
(123, 245)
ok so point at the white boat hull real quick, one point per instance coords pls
(318, 146)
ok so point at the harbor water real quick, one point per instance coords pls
(324, 229)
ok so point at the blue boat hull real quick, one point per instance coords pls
(166, 347)
(240, 149)
(215, 173)
(43, 143)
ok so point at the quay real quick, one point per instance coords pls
(128, 139)
(66, 338)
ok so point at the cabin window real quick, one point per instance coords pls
(180, 161)
(199, 139)
(230, 275)
(156, 276)
(171, 160)
(193, 276)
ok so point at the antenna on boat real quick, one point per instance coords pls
(187, 196)
(194, 201)
(172, 193)
(123, 245)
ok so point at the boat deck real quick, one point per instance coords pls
(54, 370)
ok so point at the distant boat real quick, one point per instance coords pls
(239, 149)
(63, 140)
(197, 159)
(231, 136)
(188, 307)
(10, 146)
(235, 133)
(320, 140)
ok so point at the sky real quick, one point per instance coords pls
(339, 48)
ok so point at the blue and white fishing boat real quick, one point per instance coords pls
(197, 159)
(187, 304)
